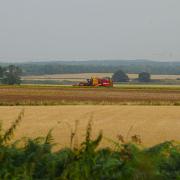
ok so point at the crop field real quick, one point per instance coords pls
(114, 110)
(58, 95)
(76, 77)
(153, 124)
(70, 77)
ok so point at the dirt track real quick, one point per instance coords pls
(57, 95)
(153, 123)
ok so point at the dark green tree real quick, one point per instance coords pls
(12, 75)
(144, 77)
(120, 76)
(1, 72)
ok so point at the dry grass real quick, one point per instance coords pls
(153, 123)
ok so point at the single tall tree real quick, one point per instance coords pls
(1, 72)
(12, 75)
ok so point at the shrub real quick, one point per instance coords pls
(120, 76)
(144, 77)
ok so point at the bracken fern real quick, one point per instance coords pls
(8, 134)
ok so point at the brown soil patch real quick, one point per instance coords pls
(57, 95)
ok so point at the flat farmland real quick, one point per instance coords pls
(58, 95)
(70, 77)
(77, 77)
(154, 124)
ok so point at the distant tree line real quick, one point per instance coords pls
(108, 66)
(64, 69)
(10, 75)
(38, 69)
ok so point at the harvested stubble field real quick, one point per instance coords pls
(154, 124)
(56, 95)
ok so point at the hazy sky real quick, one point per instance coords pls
(90, 29)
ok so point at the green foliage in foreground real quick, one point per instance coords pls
(34, 159)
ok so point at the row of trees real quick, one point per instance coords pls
(10, 75)
(121, 76)
(93, 66)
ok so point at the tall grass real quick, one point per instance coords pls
(34, 158)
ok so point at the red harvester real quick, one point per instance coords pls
(94, 82)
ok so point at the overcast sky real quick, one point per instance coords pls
(89, 29)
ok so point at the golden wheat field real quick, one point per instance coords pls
(154, 124)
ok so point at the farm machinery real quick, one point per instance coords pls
(96, 82)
